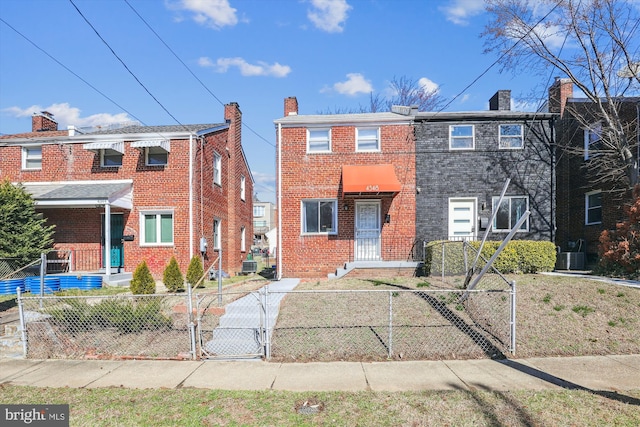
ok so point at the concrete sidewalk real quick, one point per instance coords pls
(597, 373)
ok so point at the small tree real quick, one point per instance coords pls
(195, 271)
(142, 282)
(620, 249)
(172, 276)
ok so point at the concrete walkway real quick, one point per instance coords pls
(586, 275)
(594, 373)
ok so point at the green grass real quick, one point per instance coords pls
(195, 407)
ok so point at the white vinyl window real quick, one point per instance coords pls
(243, 187)
(509, 213)
(156, 156)
(216, 234)
(593, 207)
(319, 216)
(258, 211)
(368, 139)
(511, 137)
(32, 157)
(592, 140)
(318, 140)
(156, 228)
(243, 247)
(461, 137)
(217, 169)
(110, 158)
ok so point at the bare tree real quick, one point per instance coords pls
(596, 44)
(404, 91)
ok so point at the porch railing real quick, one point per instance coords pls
(70, 260)
(386, 249)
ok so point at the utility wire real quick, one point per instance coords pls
(125, 66)
(189, 69)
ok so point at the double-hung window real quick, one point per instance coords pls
(243, 187)
(593, 207)
(510, 137)
(156, 228)
(509, 213)
(592, 140)
(258, 211)
(156, 156)
(217, 169)
(243, 241)
(461, 137)
(318, 140)
(368, 139)
(319, 216)
(216, 234)
(32, 157)
(110, 158)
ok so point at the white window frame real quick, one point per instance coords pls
(507, 199)
(157, 151)
(317, 139)
(502, 137)
(592, 135)
(261, 208)
(28, 156)
(103, 153)
(243, 187)
(158, 220)
(243, 239)
(453, 138)
(334, 218)
(217, 233)
(588, 207)
(217, 169)
(367, 139)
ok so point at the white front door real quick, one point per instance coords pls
(367, 244)
(462, 214)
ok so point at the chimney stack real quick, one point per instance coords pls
(290, 106)
(501, 101)
(559, 92)
(43, 122)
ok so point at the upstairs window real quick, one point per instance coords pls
(243, 187)
(509, 213)
(32, 158)
(461, 137)
(511, 137)
(367, 139)
(258, 211)
(319, 216)
(593, 207)
(110, 158)
(318, 140)
(217, 169)
(592, 140)
(156, 156)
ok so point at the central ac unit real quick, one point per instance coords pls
(570, 261)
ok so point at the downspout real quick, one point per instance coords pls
(553, 180)
(191, 196)
(107, 241)
(279, 177)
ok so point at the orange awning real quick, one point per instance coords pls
(370, 179)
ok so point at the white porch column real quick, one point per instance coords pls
(107, 241)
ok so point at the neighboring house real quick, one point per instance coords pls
(264, 220)
(463, 160)
(123, 195)
(586, 208)
(345, 190)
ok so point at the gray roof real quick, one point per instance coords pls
(74, 191)
(139, 129)
(482, 115)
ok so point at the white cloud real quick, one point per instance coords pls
(464, 98)
(354, 85)
(66, 115)
(260, 68)
(329, 15)
(211, 13)
(428, 86)
(460, 11)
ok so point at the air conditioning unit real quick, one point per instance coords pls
(249, 267)
(570, 261)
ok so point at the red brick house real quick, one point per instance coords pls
(150, 192)
(345, 192)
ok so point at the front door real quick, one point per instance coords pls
(367, 244)
(462, 213)
(116, 246)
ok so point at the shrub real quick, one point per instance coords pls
(619, 250)
(521, 256)
(172, 276)
(195, 271)
(142, 282)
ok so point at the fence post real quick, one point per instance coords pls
(192, 331)
(220, 277)
(390, 353)
(23, 326)
(513, 317)
(267, 340)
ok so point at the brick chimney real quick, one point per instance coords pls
(43, 122)
(559, 92)
(501, 101)
(290, 106)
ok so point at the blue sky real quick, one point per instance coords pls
(186, 58)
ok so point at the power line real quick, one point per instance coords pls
(189, 69)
